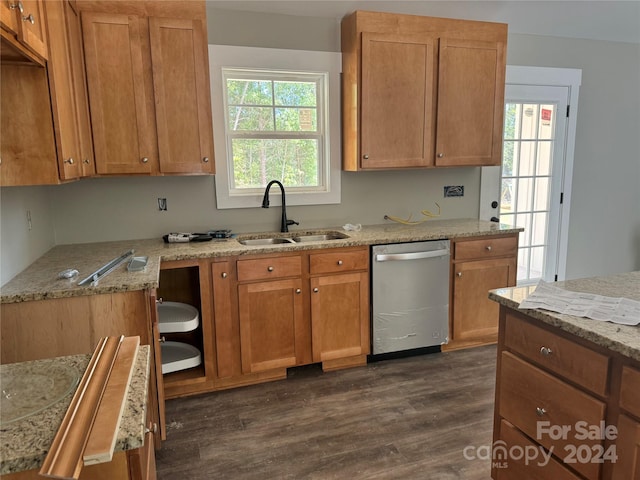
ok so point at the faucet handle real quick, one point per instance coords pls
(292, 222)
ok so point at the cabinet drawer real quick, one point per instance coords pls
(515, 467)
(630, 391)
(564, 357)
(485, 248)
(336, 262)
(269, 268)
(529, 396)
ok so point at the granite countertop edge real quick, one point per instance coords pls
(39, 281)
(623, 339)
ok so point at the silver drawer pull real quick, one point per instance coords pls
(540, 411)
(270, 269)
(339, 262)
(488, 247)
(546, 351)
(298, 291)
(224, 275)
(315, 290)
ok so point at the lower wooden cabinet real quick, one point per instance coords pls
(627, 465)
(340, 317)
(262, 314)
(477, 266)
(271, 318)
(574, 403)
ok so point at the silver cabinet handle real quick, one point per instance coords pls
(153, 428)
(144, 159)
(160, 300)
(18, 6)
(270, 269)
(540, 411)
(69, 161)
(488, 247)
(298, 290)
(315, 290)
(440, 155)
(205, 159)
(339, 262)
(162, 339)
(366, 157)
(224, 275)
(546, 351)
(86, 161)
(459, 274)
(29, 18)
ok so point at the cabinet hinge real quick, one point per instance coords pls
(568, 108)
(561, 197)
(555, 278)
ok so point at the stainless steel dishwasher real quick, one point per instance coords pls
(410, 296)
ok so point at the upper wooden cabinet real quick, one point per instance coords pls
(46, 136)
(148, 79)
(23, 32)
(421, 91)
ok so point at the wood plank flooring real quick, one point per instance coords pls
(406, 418)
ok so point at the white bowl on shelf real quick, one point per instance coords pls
(176, 317)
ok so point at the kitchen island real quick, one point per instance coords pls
(567, 388)
(25, 438)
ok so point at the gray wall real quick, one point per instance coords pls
(604, 232)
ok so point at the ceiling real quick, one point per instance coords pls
(611, 20)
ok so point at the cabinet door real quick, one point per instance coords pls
(227, 329)
(182, 93)
(76, 52)
(120, 97)
(8, 16)
(470, 103)
(627, 465)
(398, 102)
(340, 316)
(31, 27)
(27, 147)
(156, 391)
(474, 315)
(61, 85)
(271, 316)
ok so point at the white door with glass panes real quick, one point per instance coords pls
(527, 190)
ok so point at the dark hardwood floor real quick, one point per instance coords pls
(407, 418)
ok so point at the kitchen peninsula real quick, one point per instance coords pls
(567, 374)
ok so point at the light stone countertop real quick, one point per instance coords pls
(39, 281)
(24, 443)
(623, 339)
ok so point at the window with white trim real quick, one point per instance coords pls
(275, 129)
(272, 122)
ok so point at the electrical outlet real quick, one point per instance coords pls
(454, 191)
(29, 223)
(162, 204)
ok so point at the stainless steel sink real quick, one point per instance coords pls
(264, 241)
(320, 237)
(296, 238)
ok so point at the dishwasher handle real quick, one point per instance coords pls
(391, 257)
